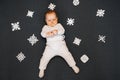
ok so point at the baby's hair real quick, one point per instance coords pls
(51, 11)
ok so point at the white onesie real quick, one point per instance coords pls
(55, 46)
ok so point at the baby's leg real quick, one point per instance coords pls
(69, 58)
(71, 62)
(47, 56)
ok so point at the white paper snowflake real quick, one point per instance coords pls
(84, 58)
(77, 41)
(33, 39)
(101, 38)
(76, 2)
(100, 13)
(51, 6)
(20, 57)
(15, 26)
(30, 13)
(70, 21)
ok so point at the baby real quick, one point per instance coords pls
(55, 45)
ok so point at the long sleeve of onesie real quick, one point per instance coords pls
(61, 30)
(46, 29)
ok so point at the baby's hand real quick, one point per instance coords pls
(49, 34)
(55, 31)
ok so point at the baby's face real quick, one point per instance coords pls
(51, 19)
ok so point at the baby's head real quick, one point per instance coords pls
(51, 18)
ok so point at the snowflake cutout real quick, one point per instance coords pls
(30, 13)
(102, 38)
(20, 57)
(70, 21)
(15, 26)
(77, 41)
(33, 39)
(100, 13)
(84, 58)
(51, 6)
(76, 2)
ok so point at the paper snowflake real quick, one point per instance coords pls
(77, 41)
(30, 13)
(100, 13)
(84, 58)
(20, 57)
(101, 38)
(51, 6)
(15, 26)
(76, 2)
(33, 39)
(70, 21)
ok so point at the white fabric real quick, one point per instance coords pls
(52, 51)
(55, 46)
(59, 36)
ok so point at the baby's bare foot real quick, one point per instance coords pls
(41, 73)
(76, 69)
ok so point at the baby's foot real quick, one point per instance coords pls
(76, 69)
(41, 73)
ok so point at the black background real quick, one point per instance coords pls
(103, 61)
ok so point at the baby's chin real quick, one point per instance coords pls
(52, 25)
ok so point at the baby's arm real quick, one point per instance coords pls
(46, 32)
(43, 32)
(49, 34)
(61, 30)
